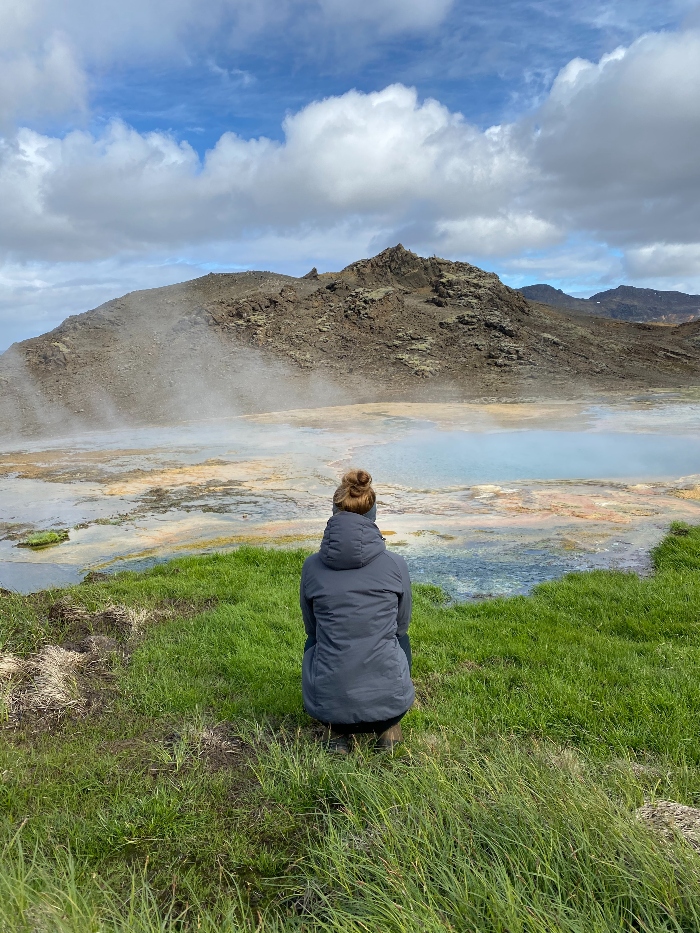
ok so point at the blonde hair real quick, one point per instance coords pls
(355, 493)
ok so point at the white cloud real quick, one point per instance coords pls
(679, 262)
(611, 153)
(48, 49)
(50, 52)
(496, 235)
(384, 156)
(617, 142)
(610, 157)
(47, 81)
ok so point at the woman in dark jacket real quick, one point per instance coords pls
(356, 603)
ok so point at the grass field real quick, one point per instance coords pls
(189, 790)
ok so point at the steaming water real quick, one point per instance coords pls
(456, 457)
(482, 499)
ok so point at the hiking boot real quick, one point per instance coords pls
(388, 739)
(338, 744)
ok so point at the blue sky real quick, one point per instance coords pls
(147, 141)
(487, 60)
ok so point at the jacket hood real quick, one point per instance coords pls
(350, 541)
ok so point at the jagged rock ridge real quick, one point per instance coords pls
(396, 326)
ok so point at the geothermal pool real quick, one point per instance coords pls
(482, 499)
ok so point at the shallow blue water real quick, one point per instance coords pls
(25, 577)
(508, 568)
(451, 458)
(610, 444)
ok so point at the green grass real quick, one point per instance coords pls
(542, 723)
(41, 539)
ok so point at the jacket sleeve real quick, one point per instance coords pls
(405, 600)
(307, 608)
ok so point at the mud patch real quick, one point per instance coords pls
(217, 747)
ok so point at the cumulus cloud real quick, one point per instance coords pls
(385, 156)
(612, 152)
(610, 157)
(616, 142)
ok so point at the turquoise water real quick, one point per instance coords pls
(433, 458)
(196, 487)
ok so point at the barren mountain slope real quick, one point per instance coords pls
(556, 298)
(627, 303)
(395, 326)
(624, 303)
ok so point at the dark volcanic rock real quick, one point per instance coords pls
(394, 327)
(647, 304)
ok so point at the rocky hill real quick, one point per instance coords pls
(396, 326)
(556, 298)
(624, 303)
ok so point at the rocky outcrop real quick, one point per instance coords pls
(396, 326)
(399, 317)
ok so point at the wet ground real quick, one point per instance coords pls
(480, 498)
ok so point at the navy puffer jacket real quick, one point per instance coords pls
(356, 604)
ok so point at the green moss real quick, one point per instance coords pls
(42, 539)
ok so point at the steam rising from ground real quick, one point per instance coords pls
(171, 367)
(452, 481)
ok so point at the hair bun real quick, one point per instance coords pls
(357, 482)
(355, 493)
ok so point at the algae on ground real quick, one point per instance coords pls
(42, 539)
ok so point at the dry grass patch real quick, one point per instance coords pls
(54, 682)
(58, 680)
(670, 820)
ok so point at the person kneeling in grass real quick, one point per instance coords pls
(356, 603)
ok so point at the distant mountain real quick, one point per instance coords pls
(624, 303)
(555, 297)
(627, 303)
